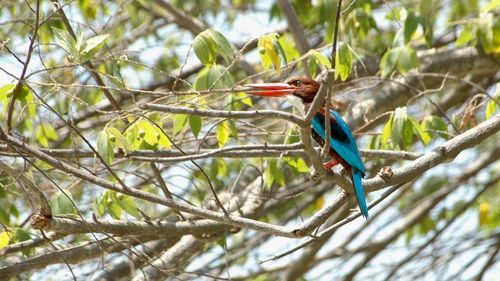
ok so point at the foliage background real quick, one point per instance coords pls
(125, 128)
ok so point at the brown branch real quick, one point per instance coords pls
(423, 208)
(223, 113)
(181, 18)
(410, 171)
(19, 85)
(33, 193)
(29, 244)
(456, 216)
(240, 151)
(294, 26)
(72, 255)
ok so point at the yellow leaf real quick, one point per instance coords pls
(266, 49)
(484, 210)
(4, 239)
(320, 202)
(163, 140)
(223, 133)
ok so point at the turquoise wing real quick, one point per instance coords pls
(341, 139)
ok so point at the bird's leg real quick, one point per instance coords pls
(313, 175)
(329, 165)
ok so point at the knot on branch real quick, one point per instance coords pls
(40, 221)
(386, 173)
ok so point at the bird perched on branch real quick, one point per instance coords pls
(343, 146)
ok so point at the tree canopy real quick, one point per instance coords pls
(130, 149)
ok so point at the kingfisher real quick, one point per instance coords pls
(344, 150)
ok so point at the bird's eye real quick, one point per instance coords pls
(297, 82)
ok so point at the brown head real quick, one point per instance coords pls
(302, 87)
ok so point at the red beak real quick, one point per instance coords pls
(270, 89)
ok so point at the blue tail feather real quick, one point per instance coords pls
(360, 194)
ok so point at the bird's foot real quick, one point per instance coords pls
(329, 165)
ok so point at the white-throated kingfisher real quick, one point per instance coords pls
(343, 150)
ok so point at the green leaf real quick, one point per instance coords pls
(407, 133)
(223, 133)
(132, 135)
(221, 168)
(233, 129)
(45, 132)
(314, 58)
(148, 132)
(6, 91)
(4, 239)
(491, 106)
(88, 8)
(25, 96)
(67, 42)
(489, 33)
(288, 46)
(5, 94)
(322, 59)
(493, 4)
(279, 50)
(464, 37)
(119, 139)
(312, 65)
(99, 206)
(208, 75)
(426, 7)
(397, 126)
(484, 210)
(163, 140)
(439, 125)
(269, 176)
(407, 59)
(180, 121)
(429, 35)
(50, 132)
(92, 46)
(411, 24)
(424, 138)
(389, 61)
(61, 203)
(195, 124)
(343, 62)
(239, 99)
(269, 53)
(3, 192)
(293, 136)
(298, 164)
(302, 166)
(205, 47)
(273, 173)
(386, 134)
(436, 124)
(128, 204)
(374, 143)
(104, 147)
(223, 45)
(22, 235)
(112, 204)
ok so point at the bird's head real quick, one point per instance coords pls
(302, 87)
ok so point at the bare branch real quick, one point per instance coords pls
(294, 26)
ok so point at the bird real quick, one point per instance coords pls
(344, 150)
